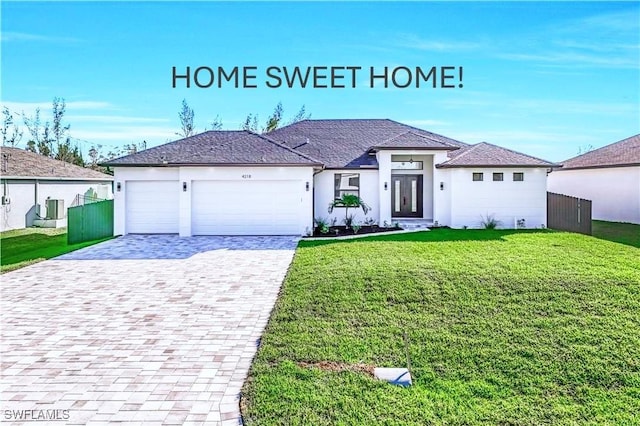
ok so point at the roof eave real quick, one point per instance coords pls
(214, 165)
(502, 166)
(599, 166)
(408, 148)
(93, 179)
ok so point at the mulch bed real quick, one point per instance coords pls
(339, 231)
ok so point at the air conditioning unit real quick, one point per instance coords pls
(55, 209)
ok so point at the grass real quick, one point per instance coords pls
(505, 327)
(624, 233)
(22, 247)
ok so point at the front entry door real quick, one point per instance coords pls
(406, 196)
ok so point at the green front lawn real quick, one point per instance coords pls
(505, 327)
(22, 247)
(625, 233)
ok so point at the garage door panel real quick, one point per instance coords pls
(152, 207)
(246, 207)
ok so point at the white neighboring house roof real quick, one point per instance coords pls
(16, 163)
(624, 153)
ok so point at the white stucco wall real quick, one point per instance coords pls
(324, 195)
(614, 191)
(190, 174)
(507, 201)
(21, 212)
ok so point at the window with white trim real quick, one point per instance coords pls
(346, 183)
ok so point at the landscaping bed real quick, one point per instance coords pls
(341, 231)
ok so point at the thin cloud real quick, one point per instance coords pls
(113, 119)
(125, 134)
(29, 108)
(11, 36)
(414, 42)
(601, 41)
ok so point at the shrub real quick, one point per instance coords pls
(490, 222)
(349, 201)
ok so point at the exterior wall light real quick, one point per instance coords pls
(307, 186)
(184, 186)
(118, 186)
(441, 186)
(386, 185)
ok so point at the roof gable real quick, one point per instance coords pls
(485, 154)
(21, 163)
(346, 143)
(413, 140)
(217, 147)
(623, 153)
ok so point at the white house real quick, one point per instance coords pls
(242, 183)
(28, 180)
(609, 176)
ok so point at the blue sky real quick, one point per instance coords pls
(543, 78)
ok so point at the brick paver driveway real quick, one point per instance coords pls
(140, 329)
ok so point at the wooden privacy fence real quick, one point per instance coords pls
(90, 222)
(567, 213)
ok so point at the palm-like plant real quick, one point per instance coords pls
(349, 201)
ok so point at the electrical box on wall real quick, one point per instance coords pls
(6, 200)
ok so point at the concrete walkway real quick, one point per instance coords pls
(140, 329)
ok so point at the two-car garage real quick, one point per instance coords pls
(224, 182)
(216, 207)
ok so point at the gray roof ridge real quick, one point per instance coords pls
(413, 132)
(275, 142)
(427, 131)
(519, 153)
(463, 151)
(590, 153)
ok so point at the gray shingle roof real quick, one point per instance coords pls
(218, 147)
(623, 153)
(485, 154)
(16, 162)
(346, 143)
(414, 140)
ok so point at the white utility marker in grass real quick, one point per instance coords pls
(395, 376)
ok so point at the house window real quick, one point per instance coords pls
(406, 165)
(498, 177)
(518, 177)
(346, 183)
(477, 177)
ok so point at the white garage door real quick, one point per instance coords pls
(152, 207)
(246, 207)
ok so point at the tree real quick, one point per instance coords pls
(301, 115)
(273, 122)
(275, 119)
(52, 139)
(216, 124)
(348, 201)
(584, 149)
(11, 133)
(33, 127)
(186, 115)
(250, 123)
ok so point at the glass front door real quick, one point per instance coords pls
(406, 196)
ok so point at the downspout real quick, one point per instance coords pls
(35, 193)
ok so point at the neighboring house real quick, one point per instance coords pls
(28, 180)
(238, 182)
(609, 176)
